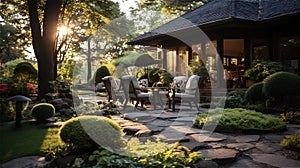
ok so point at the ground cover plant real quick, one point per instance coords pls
(241, 119)
(30, 139)
(292, 142)
(149, 154)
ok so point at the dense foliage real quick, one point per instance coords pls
(262, 69)
(101, 73)
(292, 117)
(153, 76)
(170, 155)
(42, 111)
(235, 99)
(292, 142)
(26, 72)
(241, 119)
(91, 132)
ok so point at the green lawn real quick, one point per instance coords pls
(30, 139)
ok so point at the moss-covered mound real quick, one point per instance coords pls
(91, 132)
(240, 119)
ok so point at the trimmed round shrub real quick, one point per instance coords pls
(281, 84)
(254, 93)
(91, 132)
(101, 73)
(42, 111)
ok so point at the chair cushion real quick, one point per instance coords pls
(179, 82)
(192, 84)
(143, 83)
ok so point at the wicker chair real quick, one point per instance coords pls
(190, 93)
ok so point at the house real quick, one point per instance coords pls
(241, 31)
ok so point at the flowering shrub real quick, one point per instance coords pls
(6, 89)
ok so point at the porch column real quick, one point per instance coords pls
(203, 53)
(164, 55)
(219, 62)
(247, 53)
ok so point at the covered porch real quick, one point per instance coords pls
(240, 31)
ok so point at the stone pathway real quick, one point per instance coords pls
(225, 150)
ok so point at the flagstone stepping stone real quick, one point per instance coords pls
(207, 137)
(273, 138)
(184, 119)
(216, 145)
(247, 138)
(136, 130)
(219, 154)
(165, 116)
(181, 129)
(275, 160)
(155, 128)
(268, 148)
(240, 146)
(207, 164)
(244, 163)
(188, 114)
(161, 123)
(171, 136)
(138, 117)
(26, 162)
(194, 145)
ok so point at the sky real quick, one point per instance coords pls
(125, 5)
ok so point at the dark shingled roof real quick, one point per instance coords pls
(222, 10)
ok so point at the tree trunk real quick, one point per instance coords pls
(89, 66)
(44, 41)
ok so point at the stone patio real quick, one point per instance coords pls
(224, 150)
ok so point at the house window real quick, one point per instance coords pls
(290, 51)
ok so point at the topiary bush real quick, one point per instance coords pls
(91, 132)
(241, 119)
(42, 111)
(254, 93)
(280, 86)
(100, 73)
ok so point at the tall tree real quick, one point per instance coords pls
(43, 40)
(44, 17)
(8, 49)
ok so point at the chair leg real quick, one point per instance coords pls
(173, 105)
(190, 104)
(196, 104)
(136, 104)
(125, 103)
